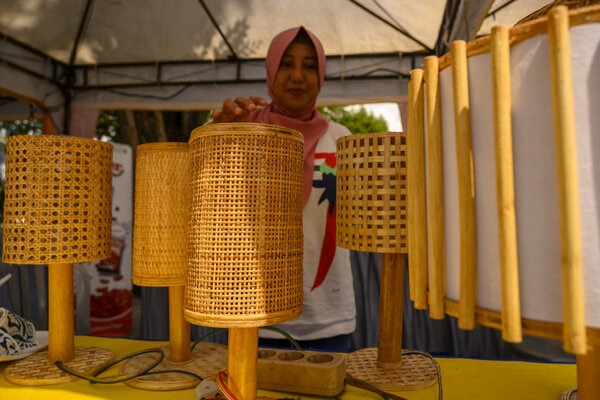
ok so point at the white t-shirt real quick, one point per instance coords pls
(328, 309)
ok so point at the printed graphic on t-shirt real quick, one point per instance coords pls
(325, 164)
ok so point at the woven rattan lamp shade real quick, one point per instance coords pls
(162, 211)
(57, 205)
(371, 192)
(246, 239)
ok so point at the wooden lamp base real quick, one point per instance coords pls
(207, 360)
(388, 367)
(37, 370)
(415, 372)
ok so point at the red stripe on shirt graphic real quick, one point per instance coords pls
(325, 163)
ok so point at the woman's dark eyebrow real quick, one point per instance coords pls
(306, 58)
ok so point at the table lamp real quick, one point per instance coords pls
(372, 216)
(57, 211)
(246, 239)
(160, 233)
(510, 123)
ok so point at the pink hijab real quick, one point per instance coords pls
(311, 124)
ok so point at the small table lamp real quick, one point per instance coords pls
(160, 233)
(246, 239)
(57, 211)
(512, 154)
(371, 216)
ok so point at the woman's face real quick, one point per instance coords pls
(296, 85)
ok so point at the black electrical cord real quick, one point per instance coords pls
(284, 334)
(209, 334)
(114, 379)
(270, 328)
(120, 378)
(174, 371)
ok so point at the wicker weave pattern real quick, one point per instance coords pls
(57, 206)
(371, 192)
(246, 239)
(162, 212)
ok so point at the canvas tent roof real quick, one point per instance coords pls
(191, 54)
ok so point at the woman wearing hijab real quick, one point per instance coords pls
(295, 66)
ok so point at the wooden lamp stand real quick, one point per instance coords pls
(57, 212)
(161, 218)
(246, 240)
(371, 216)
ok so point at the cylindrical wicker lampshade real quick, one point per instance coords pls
(246, 239)
(371, 192)
(57, 205)
(162, 212)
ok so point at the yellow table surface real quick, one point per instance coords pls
(461, 379)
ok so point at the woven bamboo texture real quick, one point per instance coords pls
(57, 206)
(161, 214)
(38, 370)
(371, 192)
(246, 239)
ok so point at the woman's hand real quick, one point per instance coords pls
(238, 110)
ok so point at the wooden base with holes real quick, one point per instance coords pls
(207, 360)
(416, 371)
(305, 372)
(37, 370)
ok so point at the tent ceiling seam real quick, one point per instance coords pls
(395, 27)
(218, 28)
(87, 13)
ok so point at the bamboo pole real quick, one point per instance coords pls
(466, 186)
(509, 263)
(242, 362)
(416, 207)
(61, 299)
(436, 253)
(391, 305)
(180, 346)
(61, 317)
(410, 183)
(574, 334)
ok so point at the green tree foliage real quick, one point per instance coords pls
(108, 126)
(136, 127)
(178, 125)
(357, 120)
(19, 127)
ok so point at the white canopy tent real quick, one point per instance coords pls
(68, 55)
(70, 58)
